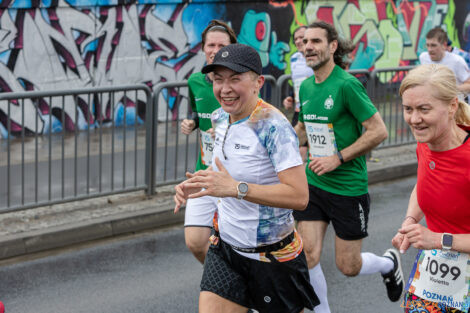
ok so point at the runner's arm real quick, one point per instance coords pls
(412, 233)
(375, 133)
(301, 133)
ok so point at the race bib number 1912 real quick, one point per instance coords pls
(321, 139)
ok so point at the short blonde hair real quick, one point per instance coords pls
(443, 85)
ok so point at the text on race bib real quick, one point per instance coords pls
(207, 145)
(321, 139)
(442, 276)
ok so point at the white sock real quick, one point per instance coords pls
(318, 282)
(372, 264)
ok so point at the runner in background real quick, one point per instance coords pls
(299, 72)
(436, 44)
(439, 280)
(200, 212)
(334, 110)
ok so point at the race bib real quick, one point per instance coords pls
(297, 83)
(207, 145)
(443, 277)
(321, 139)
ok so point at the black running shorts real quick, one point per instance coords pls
(268, 287)
(348, 214)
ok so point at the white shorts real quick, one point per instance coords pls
(200, 211)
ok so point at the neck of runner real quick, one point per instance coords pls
(246, 111)
(323, 72)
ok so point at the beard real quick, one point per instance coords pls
(318, 64)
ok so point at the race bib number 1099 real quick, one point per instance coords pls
(443, 277)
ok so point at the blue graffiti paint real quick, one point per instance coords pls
(130, 116)
(256, 32)
(5, 56)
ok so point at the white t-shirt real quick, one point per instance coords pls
(257, 148)
(299, 72)
(455, 62)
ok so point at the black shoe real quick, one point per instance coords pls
(394, 280)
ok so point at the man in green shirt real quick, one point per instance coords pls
(200, 212)
(334, 109)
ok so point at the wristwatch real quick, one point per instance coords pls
(242, 189)
(446, 241)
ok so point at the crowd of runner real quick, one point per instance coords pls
(256, 216)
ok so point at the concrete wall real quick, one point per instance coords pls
(57, 44)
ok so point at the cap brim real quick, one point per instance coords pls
(234, 67)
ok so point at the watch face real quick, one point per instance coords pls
(447, 240)
(243, 187)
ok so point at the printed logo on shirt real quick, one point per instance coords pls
(305, 102)
(432, 165)
(204, 115)
(240, 146)
(314, 117)
(329, 103)
(198, 99)
(267, 299)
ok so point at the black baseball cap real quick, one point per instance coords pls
(237, 57)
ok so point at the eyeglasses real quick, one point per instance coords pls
(223, 142)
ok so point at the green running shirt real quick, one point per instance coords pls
(203, 102)
(332, 112)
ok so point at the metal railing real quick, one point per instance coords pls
(46, 169)
(383, 90)
(141, 153)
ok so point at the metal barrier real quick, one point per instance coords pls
(383, 90)
(172, 153)
(382, 87)
(38, 170)
(71, 165)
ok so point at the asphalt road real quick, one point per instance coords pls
(154, 272)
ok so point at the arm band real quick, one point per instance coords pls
(340, 156)
(195, 118)
(409, 216)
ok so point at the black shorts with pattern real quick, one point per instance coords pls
(265, 286)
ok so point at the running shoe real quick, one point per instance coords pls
(394, 280)
(2, 307)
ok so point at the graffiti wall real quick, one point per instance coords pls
(59, 44)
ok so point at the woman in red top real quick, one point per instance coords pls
(439, 280)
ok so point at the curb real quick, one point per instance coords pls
(124, 223)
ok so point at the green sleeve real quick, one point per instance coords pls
(357, 101)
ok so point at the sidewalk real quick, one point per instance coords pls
(49, 227)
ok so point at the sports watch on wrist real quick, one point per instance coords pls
(242, 189)
(446, 241)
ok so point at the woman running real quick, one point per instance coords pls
(439, 280)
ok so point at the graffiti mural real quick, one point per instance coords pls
(60, 45)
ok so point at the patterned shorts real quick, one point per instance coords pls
(415, 304)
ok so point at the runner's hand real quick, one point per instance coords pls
(400, 242)
(183, 192)
(421, 237)
(288, 103)
(217, 184)
(187, 126)
(324, 165)
(211, 132)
